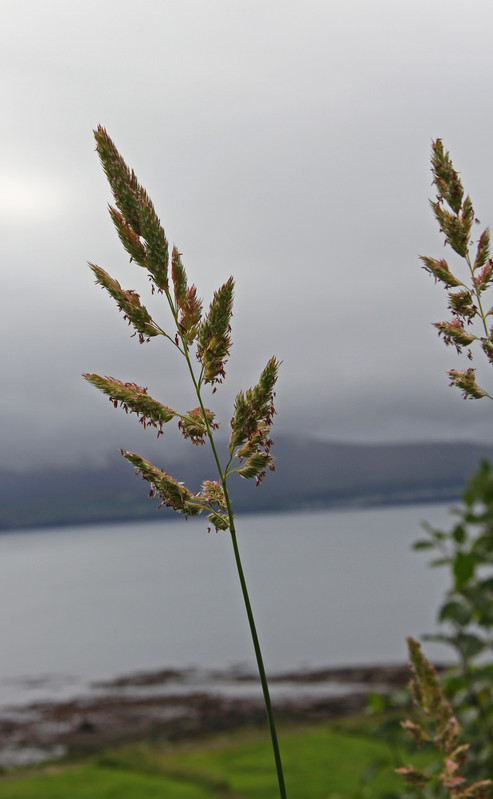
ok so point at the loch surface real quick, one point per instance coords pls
(328, 588)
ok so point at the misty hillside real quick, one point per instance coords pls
(309, 474)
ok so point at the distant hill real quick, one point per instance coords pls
(309, 474)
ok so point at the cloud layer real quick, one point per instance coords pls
(286, 143)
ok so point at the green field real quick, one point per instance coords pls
(323, 761)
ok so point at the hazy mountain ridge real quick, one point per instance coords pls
(309, 474)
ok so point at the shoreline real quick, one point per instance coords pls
(356, 502)
(147, 705)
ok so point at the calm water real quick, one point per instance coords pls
(328, 588)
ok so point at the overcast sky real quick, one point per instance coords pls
(284, 142)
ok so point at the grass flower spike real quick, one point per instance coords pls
(133, 399)
(204, 342)
(457, 720)
(470, 324)
(440, 727)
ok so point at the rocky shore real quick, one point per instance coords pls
(174, 705)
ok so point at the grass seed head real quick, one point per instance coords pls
(136, 212)
(172, 493)
(123, 183)
(456, 231)
(445, 178)
(440, 271)
(187, 302)
(193, 424)
(454, 332)
(214, 339)
(483, 251)
(462, 305)
(465, 379)
(133, 399)
(128, 302)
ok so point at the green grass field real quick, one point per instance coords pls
(321, 762)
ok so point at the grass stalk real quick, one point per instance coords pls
(244, 590)
(143, 237)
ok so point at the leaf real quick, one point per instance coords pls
(423, 545)
(463, 568)
(454, 682)
(438, 535)
(455, 612)
(486, 585)
(439, 562)
(479, 486)
(459, 534)
(471, 645)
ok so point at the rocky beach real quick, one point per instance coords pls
(174, 705)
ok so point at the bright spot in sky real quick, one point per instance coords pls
(26, 199)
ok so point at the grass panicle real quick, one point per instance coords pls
(128, 302)
(142, 235)
(470, 324)
(214, 339)
(133, 399)
(440, 727)
(459, 725)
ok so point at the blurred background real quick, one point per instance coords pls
(286, 143)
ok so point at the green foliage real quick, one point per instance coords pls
(96, 782)
(466, 615)
(321, 761)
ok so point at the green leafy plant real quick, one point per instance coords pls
(466, 549)
(466, 614)
(203, 340)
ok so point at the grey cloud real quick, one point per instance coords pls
(284, 143)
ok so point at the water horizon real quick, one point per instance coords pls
(329, 588)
